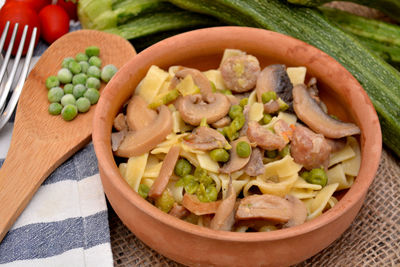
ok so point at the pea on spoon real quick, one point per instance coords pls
(41, 142)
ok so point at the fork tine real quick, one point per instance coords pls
(5, 116)
(4, 35)
(4, 93)
(8, 54)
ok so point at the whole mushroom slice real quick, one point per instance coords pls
(264, 138)
(193, 108)
(309, 149)
(167, 168)
(267, 207)
(205, 138)
(299, 211)
(235, 162)
(224, 218)
(143, 140)
(275, 78)
(255, 166)
(308, 111)
(240, 72)
(138, 115)
(194, 205)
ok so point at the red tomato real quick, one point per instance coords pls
(23, 14)
(54, 21)
(70, 7)
(37, 5)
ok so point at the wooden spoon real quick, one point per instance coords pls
(41, 142)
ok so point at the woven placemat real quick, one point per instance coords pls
(373, 239)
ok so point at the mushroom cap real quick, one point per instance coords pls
(193, 109)
(138, 115)
(308, 111)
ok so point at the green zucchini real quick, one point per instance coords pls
(379, 79)
(389, 7)
(150, 23)
(381, 37)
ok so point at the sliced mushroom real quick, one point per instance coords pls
(299, 211)
(117, 138)
(255, 166)
(240, 72)
(235, 162)
(336, 144)
(178, 211)
(193, 108)
(233, 99)
(271, 107)
(309, 149)
(120, 122)
(264, 138)
(194, 205)
(225, 121)
(143, 140)
(308, 111)
(167, 168)
(198, 78)
(224, 217)
(275, 78)
(138, 115)
(267, 207)
(205, 138)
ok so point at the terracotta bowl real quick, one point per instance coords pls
(193, 245)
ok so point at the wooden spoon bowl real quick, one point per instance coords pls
(41, 142)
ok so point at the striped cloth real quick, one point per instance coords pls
(66, 222)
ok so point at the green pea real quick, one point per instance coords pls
(235, 111)
(83, 104)
(165, 201)
(68, 99)
(55, 94)
(317, 176)
(268, 96)
(206, 180)
(199, 173)
(201, 193)
(64, 75)
(143, 190)
(285, 151)
(271, 154)
(84, 66)
(95, 61)
(108, 72)
(212, 193)
(80, 78)
(66, 62)
(93, 71)
(92, 51)
(225, 92)
(55, 108)
(243, 102)
(81, 57)
(304, 175)
(79, 90)
(52, 81)
(74, 67)
(183, 167)
(69, 112)
(267, 118)
(93, 82)
(207, 193)
(93, 95)
(219, 155)
(68, 88)
(230, 132)
(190, 184)
(243, 149)
(238, 122)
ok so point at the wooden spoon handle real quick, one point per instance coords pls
(23, 171)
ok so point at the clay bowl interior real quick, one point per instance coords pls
(194, 245)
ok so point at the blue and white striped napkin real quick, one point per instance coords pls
(66, 222)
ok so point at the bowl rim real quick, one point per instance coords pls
(372, 144)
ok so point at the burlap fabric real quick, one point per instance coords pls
(373, 239)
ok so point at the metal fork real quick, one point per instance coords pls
(6, 109)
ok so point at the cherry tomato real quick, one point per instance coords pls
(23, 14)
(70, 7)
(54, 21)
(37, 5)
